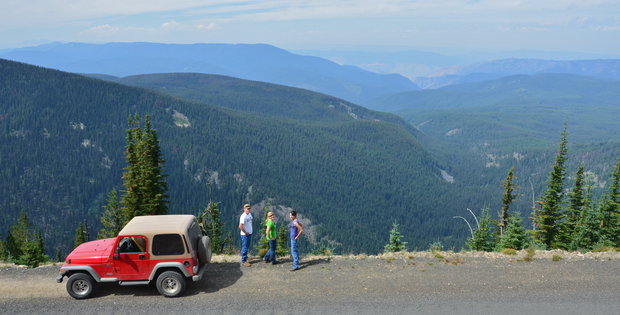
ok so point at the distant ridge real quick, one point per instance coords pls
(258, 62)
(495, 69)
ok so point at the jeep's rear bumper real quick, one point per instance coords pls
(200, 274)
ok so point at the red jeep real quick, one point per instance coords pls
(167, 249)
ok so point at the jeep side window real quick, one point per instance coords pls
(132, 245)
(168, 244)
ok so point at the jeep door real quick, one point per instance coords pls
(132, 261)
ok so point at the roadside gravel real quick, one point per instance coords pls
(420, 282)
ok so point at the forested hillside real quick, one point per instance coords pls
(256, 97)
(63, 136)
(483, 129)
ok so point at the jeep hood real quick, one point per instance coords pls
(94, 250)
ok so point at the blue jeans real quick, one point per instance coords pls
(245, 247)
(295, 253)
(271, 253)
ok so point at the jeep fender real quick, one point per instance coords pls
(167, 265)
(68, 270)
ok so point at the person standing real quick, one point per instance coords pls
(245, 226)
(270, 234)
(296, 230)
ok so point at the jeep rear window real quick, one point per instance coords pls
(168, 244)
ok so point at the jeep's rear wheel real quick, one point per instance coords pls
(81, 286)
(171, 284)
(204, 250)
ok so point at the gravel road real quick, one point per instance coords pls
(415, 283)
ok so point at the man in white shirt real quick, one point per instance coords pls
(245, 225)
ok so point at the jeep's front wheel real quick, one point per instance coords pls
(171, 284)
(81, 286)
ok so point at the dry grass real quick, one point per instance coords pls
(509, 251)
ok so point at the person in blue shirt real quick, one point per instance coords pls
(296, 230)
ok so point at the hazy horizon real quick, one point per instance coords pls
(445, 26)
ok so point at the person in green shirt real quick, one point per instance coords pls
(270, 234)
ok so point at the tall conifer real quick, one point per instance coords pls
(507, 199)
(145, 186)
(574, 212)
(548, 217)
(611, 208)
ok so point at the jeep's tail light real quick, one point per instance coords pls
(195, 269)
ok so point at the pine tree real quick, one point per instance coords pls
(210, 221)
(507, 199)
(145, 187)
(25, 243)
(515, 237)
(611, 209)
(80, 235)
(282, 248)
(549, 216)
(574, 212)
(588, 229)
(112, 218)
(395, 244)
(18, 235)
(484, 236)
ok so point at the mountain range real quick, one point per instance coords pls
(258, 62)
(495, 69)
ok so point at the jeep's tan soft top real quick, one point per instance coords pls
(158, 224)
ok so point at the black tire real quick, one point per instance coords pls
(81, 286)
(171, 284)
(204, 250)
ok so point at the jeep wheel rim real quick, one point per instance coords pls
(170, 285)
(80, 287)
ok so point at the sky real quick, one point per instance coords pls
(591, 26)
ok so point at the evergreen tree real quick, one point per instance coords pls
(32, 254)
(574, 212)
(25, 243)
(18, 235)
(395, 244)
(282, 248)
(588, 229)
(515, 237)
(507, 199)
(58, 255)
(549, 216)
(611, 209)
(112, 218)
(80, 235)
(145, 187)
(484, 236)
(212, 226)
